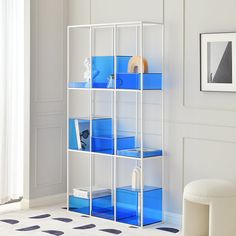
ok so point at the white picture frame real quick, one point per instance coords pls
(218, 62)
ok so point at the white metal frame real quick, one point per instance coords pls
(139, 51)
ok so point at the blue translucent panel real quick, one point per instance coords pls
(79, 137)
(106, 144)
(136, 152)
(151, 81)
(80, 205)
(103, 70)
(78, 85)
(102, 127)
(103, 207)
(128, 205)
(152, 206)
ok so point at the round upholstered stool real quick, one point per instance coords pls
(209, 208)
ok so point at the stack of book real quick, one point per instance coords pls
(96, 192)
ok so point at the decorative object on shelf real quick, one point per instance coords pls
(135, 66)
(218, 62)
(87, 73)
(136, 178)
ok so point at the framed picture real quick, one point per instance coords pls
(218, 62)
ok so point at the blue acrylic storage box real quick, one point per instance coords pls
(128, 205)
(102, 127)
(80, 205)
(151, 81)
(105, 144)
(101, 206)
(79, 131)
(103, 70)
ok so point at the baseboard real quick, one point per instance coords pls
(43, 201)
(10, 207)
(173, 218)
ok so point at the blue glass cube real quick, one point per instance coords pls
(128, 205)
(151, 81)
(80, 205)
(103, 207)
(105, 144)
(103, 70)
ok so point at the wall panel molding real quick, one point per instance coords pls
(214, 156)
(39, 12)
(223, 95)
(59, 158)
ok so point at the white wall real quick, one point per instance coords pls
(200, 126)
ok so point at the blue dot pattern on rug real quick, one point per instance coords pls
(54, 232)
(90, 226)
(40, 216)
(167, 229)
(65, 220)
(34, 227)
(10, 221)
(111, 231)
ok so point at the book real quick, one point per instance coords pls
(96, 192)
(77, 131)
(79, 134)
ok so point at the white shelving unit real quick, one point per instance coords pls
(142, 208)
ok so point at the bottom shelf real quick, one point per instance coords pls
(127, 206)
(101, 207)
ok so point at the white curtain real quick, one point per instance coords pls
(11, 99)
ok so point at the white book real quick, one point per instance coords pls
(77, 130)
(96, 192)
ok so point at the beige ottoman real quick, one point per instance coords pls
(209, 208)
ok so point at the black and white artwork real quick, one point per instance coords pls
(218, 62)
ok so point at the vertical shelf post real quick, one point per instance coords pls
(67, 113)
(90, 121)
(163, 116)
(115, 113)
(141, 121)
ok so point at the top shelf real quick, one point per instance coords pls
(117, 24)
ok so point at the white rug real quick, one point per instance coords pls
(57, 221)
